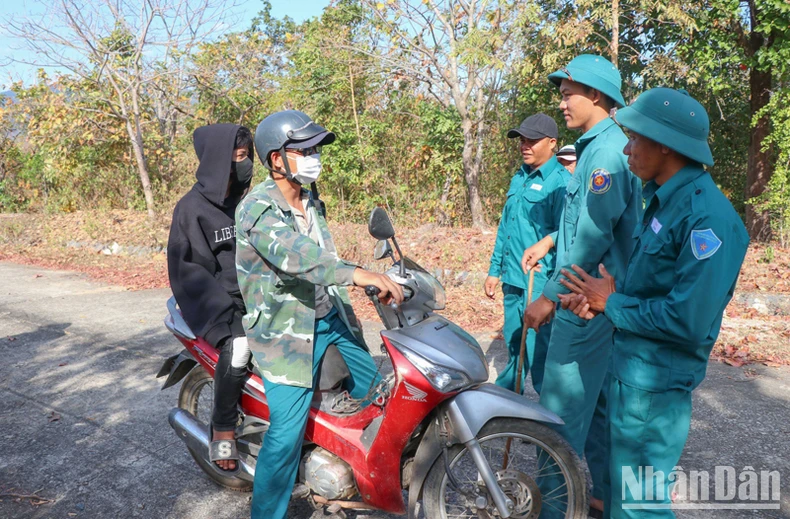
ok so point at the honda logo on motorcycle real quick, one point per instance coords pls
(416, 394)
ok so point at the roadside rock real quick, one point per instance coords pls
(765, 304)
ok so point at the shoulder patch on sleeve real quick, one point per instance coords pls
(600, 181)
(704, 243)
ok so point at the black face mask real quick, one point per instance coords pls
(241, 172)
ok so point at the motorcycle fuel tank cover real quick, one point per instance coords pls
(444, 343)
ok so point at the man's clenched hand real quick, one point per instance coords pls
(538, 313)
(389, 290)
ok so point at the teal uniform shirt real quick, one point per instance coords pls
(689, 250)
(532, 210)
(602, 207)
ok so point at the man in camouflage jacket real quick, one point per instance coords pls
(278, 270)
(292, 283)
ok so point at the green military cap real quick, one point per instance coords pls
(672, 118)
(594, 71)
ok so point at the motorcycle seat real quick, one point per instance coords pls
(331, 373)
(333, 370)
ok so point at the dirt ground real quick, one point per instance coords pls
(83, 242)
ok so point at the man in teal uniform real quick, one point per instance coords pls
(668, 310)
(532, 210)
(601, 210)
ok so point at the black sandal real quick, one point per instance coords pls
(223, 450)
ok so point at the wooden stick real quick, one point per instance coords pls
(521, 354)
(523, 350)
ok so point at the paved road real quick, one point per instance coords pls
(86, 354)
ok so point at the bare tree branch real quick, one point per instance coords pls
(457, 49)
(125, 48)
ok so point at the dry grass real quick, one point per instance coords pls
(42, 240)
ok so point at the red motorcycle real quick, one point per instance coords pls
(464, 447)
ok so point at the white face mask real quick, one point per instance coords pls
(308, 168)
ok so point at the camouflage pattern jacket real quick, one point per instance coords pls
(278, 269)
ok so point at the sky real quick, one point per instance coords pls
(299, 10)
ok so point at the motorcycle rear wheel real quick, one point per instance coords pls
(519, 480)
(197, 397)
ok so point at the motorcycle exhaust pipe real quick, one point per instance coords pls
(196, 436)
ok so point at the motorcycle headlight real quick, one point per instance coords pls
(441, 378)
(440, 298)
(434, 291)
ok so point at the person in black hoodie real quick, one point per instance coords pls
(201, 263)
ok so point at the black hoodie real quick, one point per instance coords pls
(201, 251)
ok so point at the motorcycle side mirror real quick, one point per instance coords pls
(382, 250)
(379, 225)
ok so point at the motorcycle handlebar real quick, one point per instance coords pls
(372, 291)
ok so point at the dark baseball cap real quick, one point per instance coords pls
(535, 126)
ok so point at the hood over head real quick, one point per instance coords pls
(214, 145)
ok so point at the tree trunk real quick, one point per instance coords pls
(614, 45)
(442, 218)
(471, 160)
(160, 113)
(136, 134)
(142, 169)
(759, 166)
(356, 117)
(354, 104)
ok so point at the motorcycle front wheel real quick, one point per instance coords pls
(543, 475)
(197, 397)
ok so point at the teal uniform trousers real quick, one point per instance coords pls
(278, 461)
(646, 429)
(575, 387)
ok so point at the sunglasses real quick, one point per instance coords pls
(306, 151)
